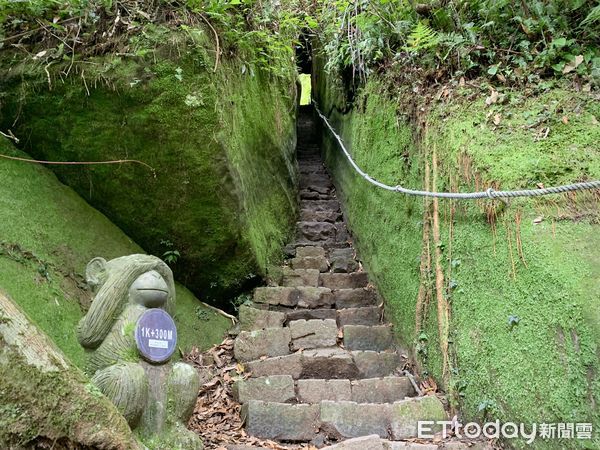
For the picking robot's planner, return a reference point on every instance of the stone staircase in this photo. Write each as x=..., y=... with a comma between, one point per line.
x=323, y=362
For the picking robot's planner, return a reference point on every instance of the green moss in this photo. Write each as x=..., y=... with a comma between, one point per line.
x=221, y=144
x=545, y=368
x=42, y=407
x=49, y=234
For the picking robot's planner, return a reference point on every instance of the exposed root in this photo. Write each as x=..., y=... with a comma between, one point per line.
x=220, y=312
x=425, y=266
x=510, y=250
x=442, y=304
x=217, y=43
x=518, y=237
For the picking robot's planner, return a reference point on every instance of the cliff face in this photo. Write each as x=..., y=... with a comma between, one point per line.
x=519, y=279
x=222, y=190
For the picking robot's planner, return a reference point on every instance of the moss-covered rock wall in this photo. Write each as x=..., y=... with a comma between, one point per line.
x=520, y=279
x=47, y=236
x=221, y=144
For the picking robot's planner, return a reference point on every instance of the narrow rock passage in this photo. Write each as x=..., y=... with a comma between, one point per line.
x=323, y=363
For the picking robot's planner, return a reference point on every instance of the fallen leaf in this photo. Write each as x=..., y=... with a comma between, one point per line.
x=497, y=119
x=565, y=120
x=570, y=67
x=493, y=98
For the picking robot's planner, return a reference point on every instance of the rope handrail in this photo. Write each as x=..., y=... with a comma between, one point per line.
x=489, y=193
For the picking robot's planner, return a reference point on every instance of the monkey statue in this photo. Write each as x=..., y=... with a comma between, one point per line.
x=156, y=398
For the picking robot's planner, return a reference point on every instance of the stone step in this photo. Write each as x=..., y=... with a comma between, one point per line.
x=319, y=263
x=303, y=297
x=316, y=231
x=355, y=298
x=276, y=388
x=368, y=315
x=321, y=205
x=316, y=182
x=310, y=215
x=310, y=314
x=374, y=442
x=363, y=337
x=344, y=280
x=310, y=251
x=310, y=167
x=284, y=389
x=371, y=390
x=342, y=260
x=313, y=333
x=322, y=231
x=280, y=421
x=253, y=318
x=396, y=421
x=330, y=363
x=252, y=345
x=300, y=277
x=327, y=245
x=339, y=419
x=308, y=194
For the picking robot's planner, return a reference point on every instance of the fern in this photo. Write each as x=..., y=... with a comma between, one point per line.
x=420, y=38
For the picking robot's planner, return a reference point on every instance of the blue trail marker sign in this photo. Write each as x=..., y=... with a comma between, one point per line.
x=156, y=335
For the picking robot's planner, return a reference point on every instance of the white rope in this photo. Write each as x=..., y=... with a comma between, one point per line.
x=489, y=193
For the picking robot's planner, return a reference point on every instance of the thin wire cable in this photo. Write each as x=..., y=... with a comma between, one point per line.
x=79, y=163
x=489, y=193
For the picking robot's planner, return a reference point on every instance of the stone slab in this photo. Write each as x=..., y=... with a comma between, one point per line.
x=300, y=277
x=313, y=333
x=280, y=421
x=256, y=319
x=251, y=345
x=405, y=414
x=282, y=365
x=331, y=363
x=315, y=391
x=310, y=252
x=368, y=315
x=371, y=442
x=276, y=388
x=354, y=298
x=311, y=262
x=344, y=280
x=311, y=314
x=375, y=364
x=343, y=420
x=363, y=337
x=381, y=390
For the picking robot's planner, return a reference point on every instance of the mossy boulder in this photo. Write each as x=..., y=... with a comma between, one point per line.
x=221, y=146
x=46, y=401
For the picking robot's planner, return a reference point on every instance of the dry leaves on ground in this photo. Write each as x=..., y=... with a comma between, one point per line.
x=216, y=417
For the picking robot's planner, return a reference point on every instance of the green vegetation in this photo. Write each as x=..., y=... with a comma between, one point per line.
x=220, y=144
x=48, y=235
x=524, y=327
x=305, y=98
x=512, y=42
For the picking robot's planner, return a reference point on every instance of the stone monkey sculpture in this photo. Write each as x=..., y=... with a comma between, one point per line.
x=156, y=399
